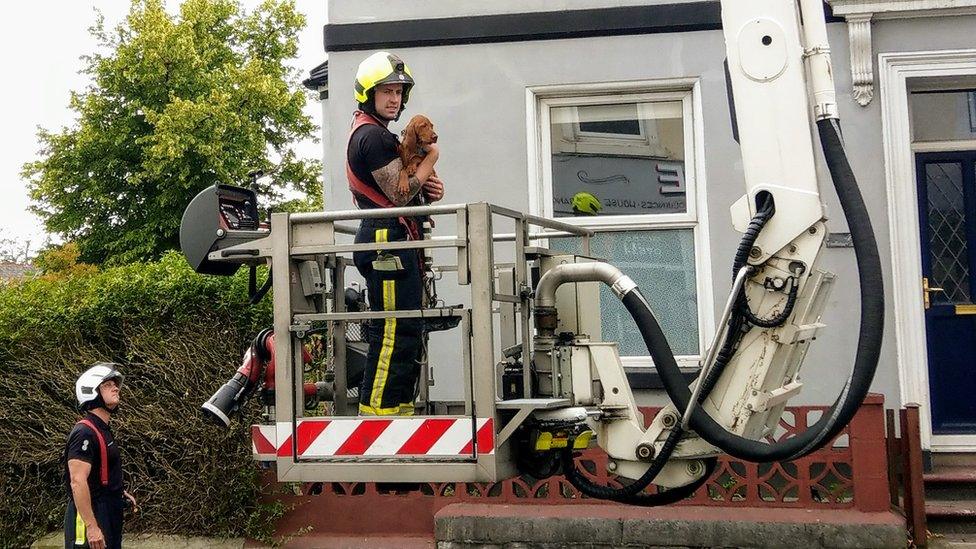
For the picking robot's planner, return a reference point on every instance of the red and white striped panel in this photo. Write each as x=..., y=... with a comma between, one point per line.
x=321, y=437
x=262, y=442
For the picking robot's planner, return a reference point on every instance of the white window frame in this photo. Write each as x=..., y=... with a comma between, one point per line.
x=598, y=142
x=539, y=101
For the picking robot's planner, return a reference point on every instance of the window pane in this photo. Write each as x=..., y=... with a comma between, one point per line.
x=620, y=159
x=943, y=116
x=611, y=127
x=947, y=232
x=609, y=119
x=662, y=263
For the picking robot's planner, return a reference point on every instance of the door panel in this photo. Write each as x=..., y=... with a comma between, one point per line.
x=947, y=215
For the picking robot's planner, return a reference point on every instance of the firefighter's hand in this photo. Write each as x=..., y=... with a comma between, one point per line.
x=433, y=188
x=132, y=500
x=96, y=540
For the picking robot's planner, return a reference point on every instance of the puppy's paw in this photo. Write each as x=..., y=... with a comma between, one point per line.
x=403, y=187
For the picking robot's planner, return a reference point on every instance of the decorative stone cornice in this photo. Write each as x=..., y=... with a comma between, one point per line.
x=901, y=9
x=860, y=13
x=862, y=67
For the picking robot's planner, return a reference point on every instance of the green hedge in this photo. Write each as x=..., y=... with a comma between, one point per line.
x=179, y=336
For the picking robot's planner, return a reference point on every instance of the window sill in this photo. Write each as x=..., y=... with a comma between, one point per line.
x=642, y=379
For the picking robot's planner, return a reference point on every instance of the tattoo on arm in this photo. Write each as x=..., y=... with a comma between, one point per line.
x=387, y=178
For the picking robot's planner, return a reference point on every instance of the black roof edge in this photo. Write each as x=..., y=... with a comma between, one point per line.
x=318, y=77
x=528, y=26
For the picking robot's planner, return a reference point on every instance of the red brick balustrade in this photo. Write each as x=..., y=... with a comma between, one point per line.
x=851, y=472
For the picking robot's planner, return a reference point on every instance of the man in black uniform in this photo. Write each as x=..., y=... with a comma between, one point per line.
x=92, y=467
x=393, y=278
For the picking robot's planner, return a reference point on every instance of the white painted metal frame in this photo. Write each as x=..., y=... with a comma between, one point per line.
x=306, y=235
x=896, y=69
x=640, y=143
x=539, y=100
x=944, y=146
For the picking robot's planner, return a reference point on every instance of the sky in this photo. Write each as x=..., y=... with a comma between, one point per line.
x=42, y=43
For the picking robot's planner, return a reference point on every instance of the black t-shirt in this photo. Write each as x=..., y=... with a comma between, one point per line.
x=83, y=444
x=370, y=148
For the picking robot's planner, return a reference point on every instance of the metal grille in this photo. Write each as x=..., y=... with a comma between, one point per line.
x=356, y=331
x=947, y=231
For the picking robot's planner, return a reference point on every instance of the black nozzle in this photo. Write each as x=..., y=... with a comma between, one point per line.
x=226, y=401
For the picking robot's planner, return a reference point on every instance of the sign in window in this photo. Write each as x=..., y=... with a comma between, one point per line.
x=618, y=159
x=624, y=165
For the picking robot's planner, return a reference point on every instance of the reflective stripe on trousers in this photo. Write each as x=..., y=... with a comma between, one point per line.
x=392, y=367
x=108, y=514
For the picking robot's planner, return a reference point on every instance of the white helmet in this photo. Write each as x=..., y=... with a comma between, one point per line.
x=86, y=388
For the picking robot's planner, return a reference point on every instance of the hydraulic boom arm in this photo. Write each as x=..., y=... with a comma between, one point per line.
x=779, y=69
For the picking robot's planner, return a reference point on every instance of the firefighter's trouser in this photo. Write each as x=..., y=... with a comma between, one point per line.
x=393, y=283
x=108, y=514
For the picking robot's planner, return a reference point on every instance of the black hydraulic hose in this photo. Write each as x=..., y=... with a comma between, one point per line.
x=765, y=212
x=843, y=409
x=631, y=493
x=593, y=490
x=736, y=321
x=869, y=336
x=673, y=495
x=627, y=494
x=256, y=297
x=780, y=318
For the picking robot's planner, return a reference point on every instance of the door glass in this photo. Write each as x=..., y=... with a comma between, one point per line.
x=947, y=232
x=943, y=115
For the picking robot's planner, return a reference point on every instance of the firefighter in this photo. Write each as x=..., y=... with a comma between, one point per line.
x=393, y=278
x=92, y=466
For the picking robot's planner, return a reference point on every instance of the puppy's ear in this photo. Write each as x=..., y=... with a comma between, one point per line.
x=408, y=141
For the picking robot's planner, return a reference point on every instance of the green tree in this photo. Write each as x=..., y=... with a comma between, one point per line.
x=176, y=103
x=15, y=250
x=62, y=261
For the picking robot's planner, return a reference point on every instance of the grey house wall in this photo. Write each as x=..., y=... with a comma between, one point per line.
x=476, y=94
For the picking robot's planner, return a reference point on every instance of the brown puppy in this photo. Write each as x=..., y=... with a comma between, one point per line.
x=414, y=140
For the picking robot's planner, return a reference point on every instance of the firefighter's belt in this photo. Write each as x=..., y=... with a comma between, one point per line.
x=387, y=263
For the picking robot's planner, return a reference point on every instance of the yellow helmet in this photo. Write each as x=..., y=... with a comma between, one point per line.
x=382, y=68
x=585, y=203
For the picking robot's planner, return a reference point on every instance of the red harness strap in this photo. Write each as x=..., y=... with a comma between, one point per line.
x=360, y=189
x=103, y=448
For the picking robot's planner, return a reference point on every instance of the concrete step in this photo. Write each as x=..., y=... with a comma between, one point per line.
x=477, y=525
x=55, y=540
x=319, y=541
x=952, y=483
x=952, y=541
x=967, y=459
x=951, y=516
x=951, y=474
